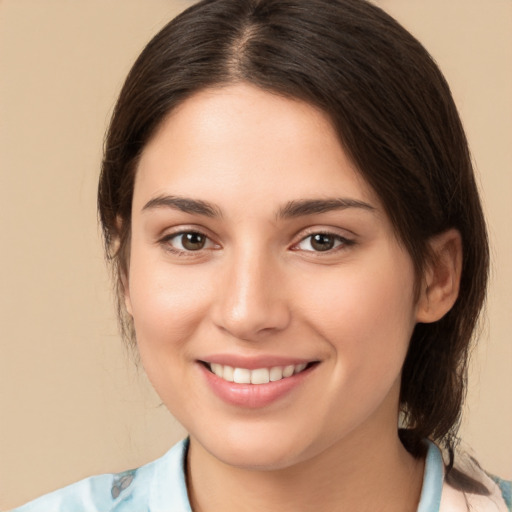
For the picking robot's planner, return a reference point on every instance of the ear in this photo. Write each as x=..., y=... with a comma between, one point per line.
x=441, y=280
x=126, y=294
x=124, y=270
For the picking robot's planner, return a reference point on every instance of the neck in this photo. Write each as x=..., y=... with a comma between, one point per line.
x=359, y=473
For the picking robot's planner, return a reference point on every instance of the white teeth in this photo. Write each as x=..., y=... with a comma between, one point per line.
x=258, y=376
x=299, y=368
x=242, y=376
x=288, y=370
x=276, y=373
x=228, y=373
x=217, y=369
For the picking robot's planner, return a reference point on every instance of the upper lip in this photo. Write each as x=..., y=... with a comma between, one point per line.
x=255, y=362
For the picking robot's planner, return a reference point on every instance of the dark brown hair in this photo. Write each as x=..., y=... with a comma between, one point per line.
x=395, y=116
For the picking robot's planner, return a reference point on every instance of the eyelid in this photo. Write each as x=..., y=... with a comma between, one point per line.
x=346, y=239
x=180, y=229
x=167, y=236
x=325, y=229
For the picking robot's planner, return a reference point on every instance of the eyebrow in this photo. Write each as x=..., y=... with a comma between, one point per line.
x=184, y=204
x=292, y=209
x=302, y=207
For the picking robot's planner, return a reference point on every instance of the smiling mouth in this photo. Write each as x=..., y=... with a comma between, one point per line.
x=256, y=376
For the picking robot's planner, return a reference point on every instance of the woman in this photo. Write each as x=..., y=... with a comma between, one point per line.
x=288, y=203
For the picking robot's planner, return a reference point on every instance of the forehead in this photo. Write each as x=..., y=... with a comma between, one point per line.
x=241, y=140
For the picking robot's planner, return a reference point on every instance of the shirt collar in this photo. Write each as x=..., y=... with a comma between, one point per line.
x=169, y=488
x=433, y=478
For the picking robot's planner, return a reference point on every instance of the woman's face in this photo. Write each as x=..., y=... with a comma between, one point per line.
x=258, y=252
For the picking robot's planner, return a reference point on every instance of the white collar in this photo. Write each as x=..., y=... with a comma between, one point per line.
x=436, y=496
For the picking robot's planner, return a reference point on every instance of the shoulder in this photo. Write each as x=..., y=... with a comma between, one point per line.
x=505, y=488
x=440, y=496
x=140, y=489
x=497, y=500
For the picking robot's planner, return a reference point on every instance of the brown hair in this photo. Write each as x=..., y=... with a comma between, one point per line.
x=395, y=117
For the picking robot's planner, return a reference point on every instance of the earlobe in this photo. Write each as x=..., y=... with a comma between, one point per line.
x=126, y=294
x=125, y=288
x=123, y=272
x=441, y=280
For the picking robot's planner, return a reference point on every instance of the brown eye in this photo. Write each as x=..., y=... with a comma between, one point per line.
x=321, y=242
x=192, y=241
x=187, y=242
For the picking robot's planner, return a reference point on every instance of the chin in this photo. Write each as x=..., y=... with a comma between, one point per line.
x=258, y=448
x=257, y=457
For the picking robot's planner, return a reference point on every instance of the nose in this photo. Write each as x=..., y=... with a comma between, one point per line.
x=251, y=302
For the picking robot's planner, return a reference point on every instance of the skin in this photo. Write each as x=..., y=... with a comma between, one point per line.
x=259, y=286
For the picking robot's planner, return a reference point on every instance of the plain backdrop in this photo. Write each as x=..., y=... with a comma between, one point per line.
x=72, y=401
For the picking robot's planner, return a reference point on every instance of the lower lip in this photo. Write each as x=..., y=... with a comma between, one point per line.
x=253, y=396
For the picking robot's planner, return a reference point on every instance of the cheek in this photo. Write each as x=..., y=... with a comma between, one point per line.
x=168, y=302
x=366, y=313
x=367, y=318
x=168, y=307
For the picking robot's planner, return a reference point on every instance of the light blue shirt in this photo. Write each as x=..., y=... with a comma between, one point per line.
x=160, y=486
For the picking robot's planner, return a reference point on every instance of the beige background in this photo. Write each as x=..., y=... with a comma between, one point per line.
x=72, y=402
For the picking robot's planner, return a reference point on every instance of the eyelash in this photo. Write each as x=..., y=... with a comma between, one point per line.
x=166, y=242
x=341, y=241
